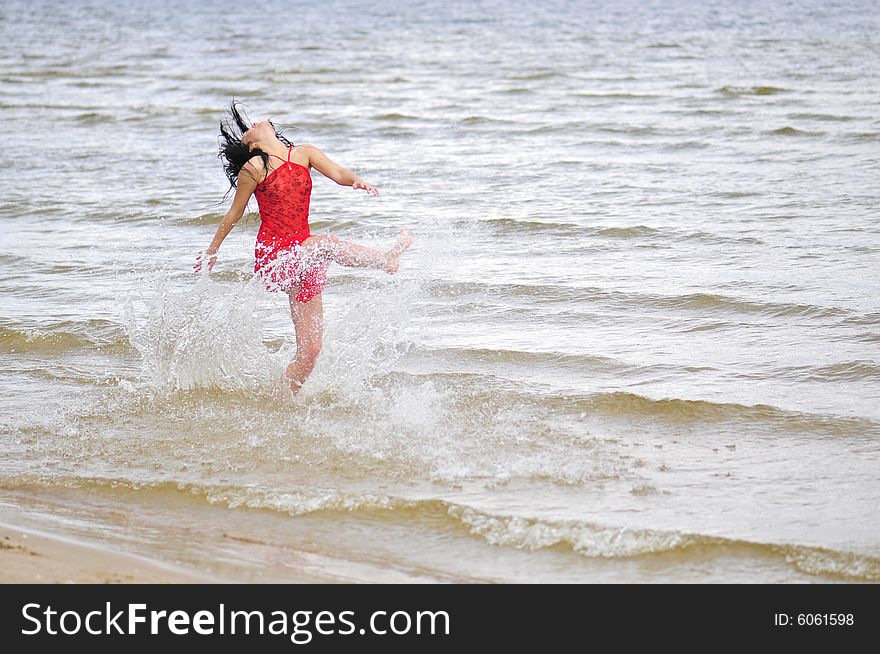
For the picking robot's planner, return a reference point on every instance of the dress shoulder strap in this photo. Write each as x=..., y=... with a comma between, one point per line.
x=289, y=149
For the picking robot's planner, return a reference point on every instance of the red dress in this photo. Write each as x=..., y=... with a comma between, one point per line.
x=283, y=198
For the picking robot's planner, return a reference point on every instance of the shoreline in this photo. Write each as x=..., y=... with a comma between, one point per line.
x=30, y=556
x=112, y=541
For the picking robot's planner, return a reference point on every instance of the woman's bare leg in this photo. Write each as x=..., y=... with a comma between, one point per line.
x=403, y=242
x=353, y=255
x=308, y=320
x=308, y=317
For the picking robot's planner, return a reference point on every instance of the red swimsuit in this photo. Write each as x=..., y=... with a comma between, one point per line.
x=283, y=198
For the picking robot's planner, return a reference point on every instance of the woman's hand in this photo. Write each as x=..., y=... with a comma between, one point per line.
x=208, y=256
x=369, y=188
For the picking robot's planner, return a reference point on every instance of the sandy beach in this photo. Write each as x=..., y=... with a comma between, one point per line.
x=27, y=556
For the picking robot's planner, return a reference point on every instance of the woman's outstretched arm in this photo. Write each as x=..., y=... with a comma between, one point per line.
x=247, y=182
x=339, y=174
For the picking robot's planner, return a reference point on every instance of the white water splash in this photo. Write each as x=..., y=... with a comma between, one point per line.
x=362, y=337
x=205, y=334
x=202, y=334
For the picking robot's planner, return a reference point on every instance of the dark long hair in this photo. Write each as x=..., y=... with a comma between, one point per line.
x=233, y=153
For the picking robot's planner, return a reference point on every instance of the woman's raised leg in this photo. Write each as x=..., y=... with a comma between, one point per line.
x=308, y=321
x=350, y=254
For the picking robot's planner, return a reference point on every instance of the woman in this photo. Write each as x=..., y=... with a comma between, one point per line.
x=261, y=161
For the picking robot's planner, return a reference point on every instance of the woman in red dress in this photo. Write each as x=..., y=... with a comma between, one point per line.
x=261, y=161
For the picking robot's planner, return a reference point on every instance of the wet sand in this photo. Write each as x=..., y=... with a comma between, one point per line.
x=27, y=556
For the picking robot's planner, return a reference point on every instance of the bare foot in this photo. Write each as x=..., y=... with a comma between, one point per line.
x=282, y=392
x=295, y=384
x=403, y=242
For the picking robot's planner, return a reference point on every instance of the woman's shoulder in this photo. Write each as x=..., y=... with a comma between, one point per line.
x=307, y=151
x=255, y=164
x=254, y=168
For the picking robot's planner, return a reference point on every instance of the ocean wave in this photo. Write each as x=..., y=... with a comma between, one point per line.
x=538, y=75
x=394, y=116
x=673, y=410
x=601, y=541
x=532, y=533
x=735, y=195
x=843, y=371
x=711, y=304
x=94, y=334
x=635, y=231
x=547, y=129
x=872, y=319
x=644, y=130
x=734, y=91
x=686, y=145
x=480, y=384
x=487, y=387
x=681, y=410
x=508, y=224
x=494, y=357
x=612, y=95
x=396, y=131
x=792, y=131
x=822, y=117
x=861, y=136
x=320, y=70
x=68, y=72
x=94, y=118
x=724, y=304
x=484, y=120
